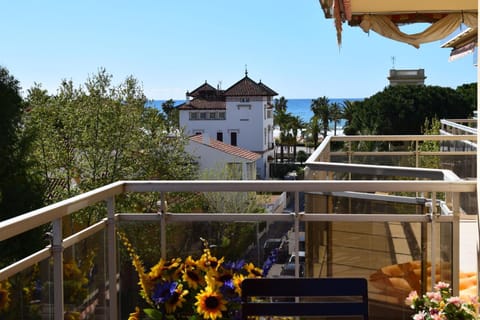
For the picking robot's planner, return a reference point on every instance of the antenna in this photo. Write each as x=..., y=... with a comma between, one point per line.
x=246, y=71
x=393, y=62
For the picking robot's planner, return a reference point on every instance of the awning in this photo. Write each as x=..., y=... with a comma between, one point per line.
x=384, y=17
x=462, y=44
x=462, y=51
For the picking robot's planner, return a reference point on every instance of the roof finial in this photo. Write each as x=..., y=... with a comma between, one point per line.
x=246, y=71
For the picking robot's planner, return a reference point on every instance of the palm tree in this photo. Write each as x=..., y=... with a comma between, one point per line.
x=347, y=113
x=320, y=109
x=314, y=129
x=335, y=115
x=296, y=123
x=280, y=117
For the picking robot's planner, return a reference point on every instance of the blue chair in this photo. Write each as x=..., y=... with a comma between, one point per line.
x=327, y=297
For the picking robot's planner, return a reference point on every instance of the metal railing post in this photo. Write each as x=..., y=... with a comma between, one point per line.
x=297, y=232
x=433, y=242
x=163, y=226
x=456, y=244
x=112, y=259
x=57, y=252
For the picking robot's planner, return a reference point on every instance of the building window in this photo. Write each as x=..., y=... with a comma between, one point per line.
x=233, y=138
x=203, y=115
x=213, y=115
x=269, y=114
x=244, y=107
x=221, y=115
x=220, y=136
x=193, y=116
x=244, y=99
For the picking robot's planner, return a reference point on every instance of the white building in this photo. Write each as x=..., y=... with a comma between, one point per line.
x=241, y=115
x=215, y=155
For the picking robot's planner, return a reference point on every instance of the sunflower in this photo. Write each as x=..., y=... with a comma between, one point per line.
x=164, y=268
x=135, y=315
x=253, y=272
x=210, y=303
x=237, y=281
x=193, y=277
x=208, y=262
x=4, y=295
x=176, y=300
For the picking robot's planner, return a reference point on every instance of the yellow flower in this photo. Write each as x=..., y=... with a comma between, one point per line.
x=163, y=269
x=208, y=262
x=177, y=299
x=210, y=304
x=135, y=315
x=193, y=277
x=4, y=295
x=253, y=272
x=237, y=281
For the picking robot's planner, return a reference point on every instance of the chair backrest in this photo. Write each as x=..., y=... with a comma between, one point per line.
x=305, y=297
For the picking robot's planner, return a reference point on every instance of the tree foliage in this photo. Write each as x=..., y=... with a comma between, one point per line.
x=100, y=133
x=20, y=190
x=403, y=109
x=321, y=111
x=469, y=93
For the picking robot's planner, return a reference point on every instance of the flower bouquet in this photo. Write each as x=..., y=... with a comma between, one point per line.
x=203, y=288
x=440, y=305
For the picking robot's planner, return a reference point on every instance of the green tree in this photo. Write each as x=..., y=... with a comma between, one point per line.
x=402, y=109
x=314, y=130
x=302, y=156
x=320, y=109
x=280, y=120
x=348, y=112
x=335, y=115
x=296, y=124
x=171, y=115
x=20, y=189
x=430, y=127
x=104, y=133
x=20, y=192
x=231, y=239
x=469, y=92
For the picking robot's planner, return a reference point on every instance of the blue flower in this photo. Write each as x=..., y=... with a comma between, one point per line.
x=163, y=291
x=271, y=259
x=235, y=266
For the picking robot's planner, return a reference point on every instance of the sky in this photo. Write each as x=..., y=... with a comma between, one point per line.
x=175, y=46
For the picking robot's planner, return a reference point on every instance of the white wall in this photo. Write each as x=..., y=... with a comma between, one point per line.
x=211, y=158
x=250, y=123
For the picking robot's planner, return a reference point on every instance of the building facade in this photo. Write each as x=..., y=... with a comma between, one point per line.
x=212, y=154
x=241, y=115
x=407, y=77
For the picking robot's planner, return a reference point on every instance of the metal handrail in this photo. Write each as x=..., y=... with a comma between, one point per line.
x=448, y=183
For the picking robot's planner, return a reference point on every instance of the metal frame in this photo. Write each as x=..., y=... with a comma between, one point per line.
x=448, y=183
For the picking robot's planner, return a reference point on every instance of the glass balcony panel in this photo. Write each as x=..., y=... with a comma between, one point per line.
x=85, y=278
x=235, y=240
x=30, y=293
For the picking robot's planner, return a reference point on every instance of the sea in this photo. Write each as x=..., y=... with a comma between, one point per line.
x=297, y=107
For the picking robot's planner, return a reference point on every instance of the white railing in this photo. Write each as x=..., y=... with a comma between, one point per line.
x=444, y=182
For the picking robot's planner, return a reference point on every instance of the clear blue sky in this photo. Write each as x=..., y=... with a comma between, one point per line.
x=172, y=46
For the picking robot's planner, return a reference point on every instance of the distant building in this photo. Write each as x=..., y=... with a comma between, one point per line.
x=411, y=77
x=241, y=115
x=214, y=154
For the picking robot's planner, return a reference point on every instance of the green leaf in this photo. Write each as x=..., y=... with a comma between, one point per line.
x=153, y=314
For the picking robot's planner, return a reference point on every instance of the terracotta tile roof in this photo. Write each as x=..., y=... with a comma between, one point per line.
x=203, y=104
x=248, y=87
x=204, y=88
x=227, y=148
x=267, y=89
